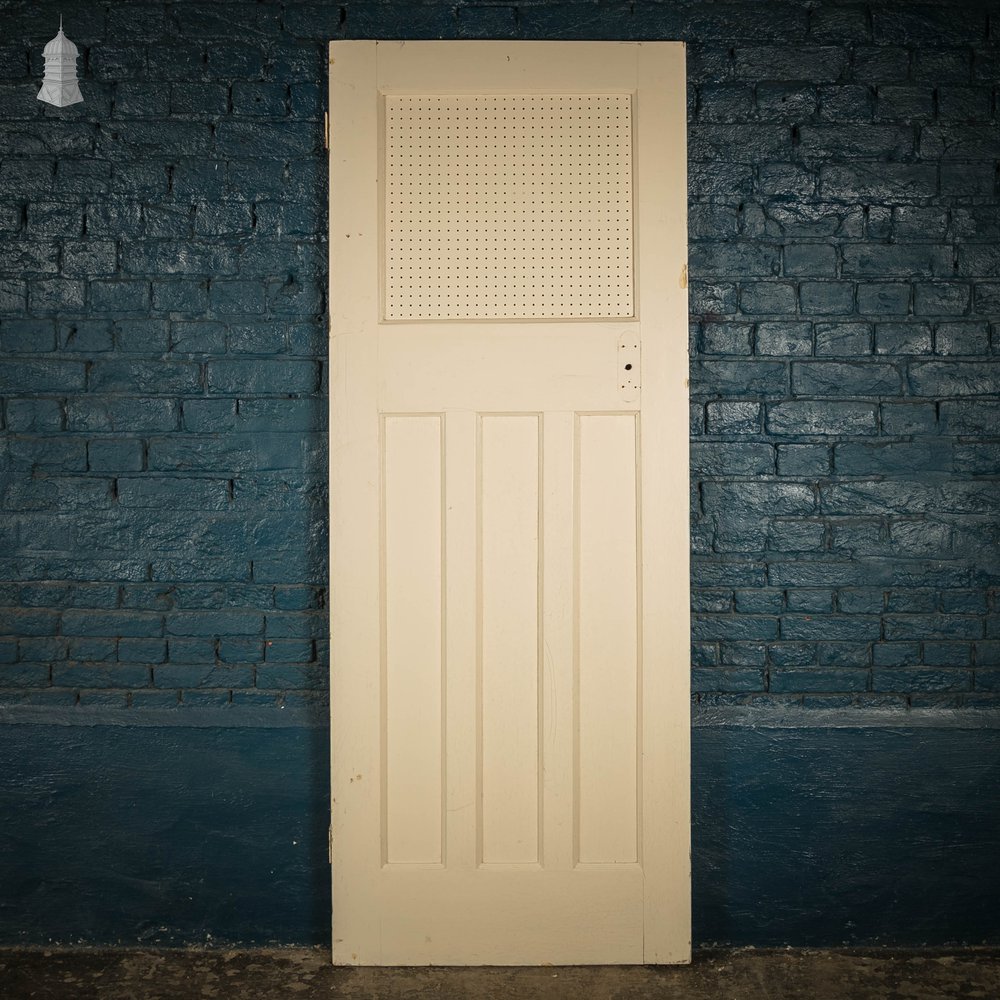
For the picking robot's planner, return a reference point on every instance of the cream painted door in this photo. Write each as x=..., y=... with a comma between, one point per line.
x=509, y=503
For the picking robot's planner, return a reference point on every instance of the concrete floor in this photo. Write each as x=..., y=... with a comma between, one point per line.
x=306, y=974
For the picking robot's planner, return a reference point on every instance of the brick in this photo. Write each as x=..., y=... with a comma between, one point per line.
x=284, y=218
x=879, y=182
x=726, y=102
x=826, y=298
x=986, y=297
x=816, y=64
x=922, y=679
x=85, y=336
x=803, y=460
x=120, y=413
x=810, y=260
x=245, y=377
x=168, y=221
x=723, y=458
x=719, y=180
x=13, y=297
x=236, y=298
x=930, y=25
x=972, y=601
x=182, y=296
x=276, y=139
x=767, y=297
x=911, y=601
x=202, y=675
x=734, y=417
x=288, y=651
x=977, y=459
x=259, y=100
x=111, y=623
x=844, y=654
x=922, y=261
x=757, y=602
x=863, y=141
x=34, y=415
x=846, y=103
x=55, y=295
x=818, y=679
x=114, y=296
x=199, y=179
x=115, y=456
x=565, y=20
x=894, y=458
x=239, y=650
x=954, y=378
x=23, y=675
x=725, y=338
x=792, y=654
x=783, y=339
x=839, y=24
x=959, y=142
x=942, y=299
x=54, y=219
x=141, y=99
x=745, y=679
x=976, y=222
x=142, y=336
x=907, y=497
x=878, y=64
x=142, y=650
x=843, y=339
x=909, y=418
x=28, y=336
x=759, y=497
x=807, y=599
x=711, y=141
x=734, y=627
x=884, y=298
x=904, y=104
x=978, y=261
x=294, y=297
x=902, y=338
x=89, y=257
x=821, y=418
x=197, y=337
x=784, y=102
x=787, y=180
x=42, y=376
x=294, y=676
x=733, y=260
x=198, y=99
x=172, y=257
x=834, y=378
x=214, y=623
x=209, y=415
x=967, y=179
x=130, y=376
x=947, y=654
x=757, y=378
x=29, y=257
x=718, y=601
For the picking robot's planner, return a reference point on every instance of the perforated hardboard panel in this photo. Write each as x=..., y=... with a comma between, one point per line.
x=508, y=206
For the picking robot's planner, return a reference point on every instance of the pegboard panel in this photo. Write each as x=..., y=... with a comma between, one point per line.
x=508, y=206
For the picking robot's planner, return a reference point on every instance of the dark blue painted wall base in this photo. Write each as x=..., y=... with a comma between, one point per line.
x=167, y=836
x=802, y=836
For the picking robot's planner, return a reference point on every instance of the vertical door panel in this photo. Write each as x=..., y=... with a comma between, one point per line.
x=607, y=653
x=412, y=644
x=509, y=640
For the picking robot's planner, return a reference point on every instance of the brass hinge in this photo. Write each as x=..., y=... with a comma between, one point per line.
x=326, y=130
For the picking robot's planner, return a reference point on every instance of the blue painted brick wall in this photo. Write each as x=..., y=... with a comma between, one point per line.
x=162, y=276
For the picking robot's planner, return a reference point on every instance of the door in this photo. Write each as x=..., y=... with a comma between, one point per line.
x=509, y=503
